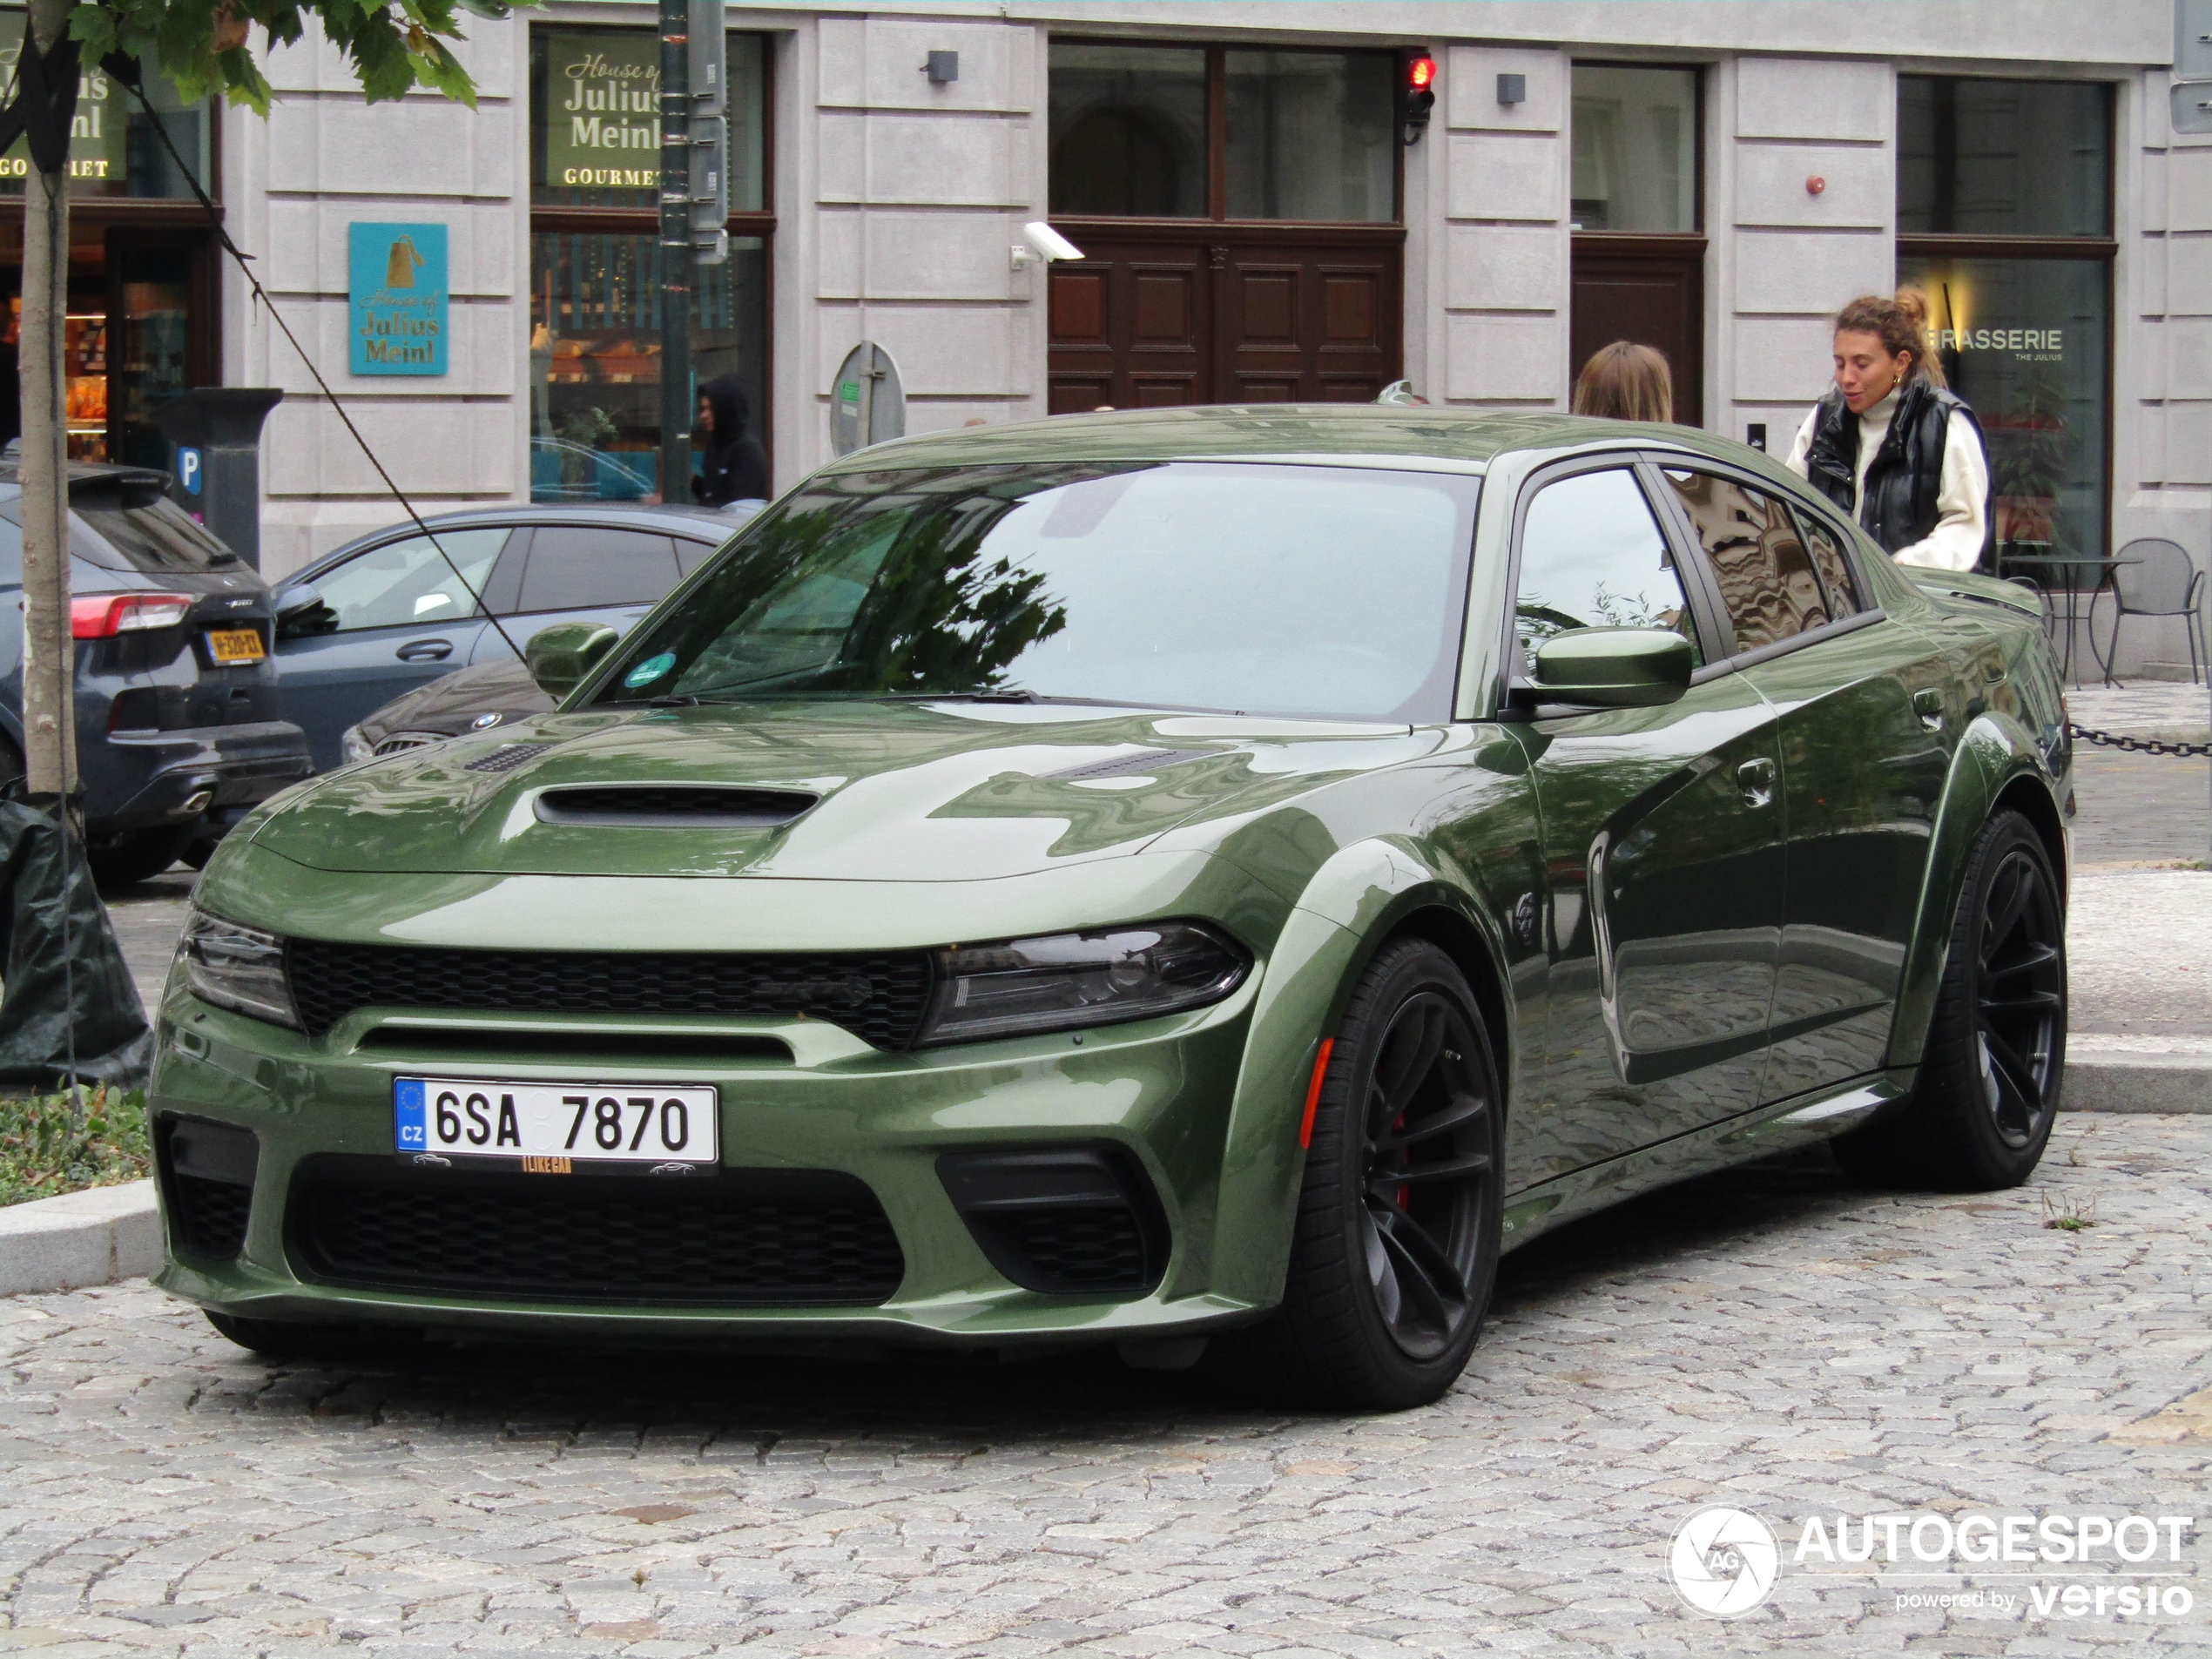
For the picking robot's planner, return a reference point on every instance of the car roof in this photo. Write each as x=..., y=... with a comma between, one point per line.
x=1390, y=434
x=699, y=523
x=83, y=474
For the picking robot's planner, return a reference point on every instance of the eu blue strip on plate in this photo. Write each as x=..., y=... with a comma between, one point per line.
x=410, y=1131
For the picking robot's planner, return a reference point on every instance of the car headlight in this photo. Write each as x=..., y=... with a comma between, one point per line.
x=1065, y=981
x=354, y=746
x=236, y=967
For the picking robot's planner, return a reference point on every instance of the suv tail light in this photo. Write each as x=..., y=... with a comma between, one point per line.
x=102, y=615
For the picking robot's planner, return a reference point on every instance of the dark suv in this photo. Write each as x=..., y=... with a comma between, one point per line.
x=177, y=732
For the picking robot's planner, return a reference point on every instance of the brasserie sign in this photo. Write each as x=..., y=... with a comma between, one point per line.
x=96, y=131
x=603, y=109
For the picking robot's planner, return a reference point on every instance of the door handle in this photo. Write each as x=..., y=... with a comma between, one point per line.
x=1928, y=705
x=1754, y=781
x=425, y=650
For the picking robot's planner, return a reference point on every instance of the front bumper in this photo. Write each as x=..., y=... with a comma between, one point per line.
x=1155, y=1095
x=143, y=780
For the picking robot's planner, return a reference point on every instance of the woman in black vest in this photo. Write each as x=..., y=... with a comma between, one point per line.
x=1891, y=445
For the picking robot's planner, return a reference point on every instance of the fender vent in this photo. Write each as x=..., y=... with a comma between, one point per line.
x=673, y=806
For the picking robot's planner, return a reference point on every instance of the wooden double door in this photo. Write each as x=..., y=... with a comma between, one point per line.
x=1155, y=316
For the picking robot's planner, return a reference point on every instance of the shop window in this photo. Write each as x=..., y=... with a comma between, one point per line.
x=2004, y=213
x=113, y=149
x=1634, y=154
x=1216, y=132
x=595, y=118
x=595, y=262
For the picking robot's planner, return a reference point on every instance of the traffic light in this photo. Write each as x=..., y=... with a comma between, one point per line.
x=710, y=181
x=1417, y=88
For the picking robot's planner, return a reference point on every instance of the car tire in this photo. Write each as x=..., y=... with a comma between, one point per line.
x=1395, y=1245
x=296, y=1339
x=1982, y=1107
x=138, y=856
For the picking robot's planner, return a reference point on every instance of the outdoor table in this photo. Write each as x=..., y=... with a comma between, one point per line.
x=2107, y=570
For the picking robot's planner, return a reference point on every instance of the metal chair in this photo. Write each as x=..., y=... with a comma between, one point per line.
x=2165, y=581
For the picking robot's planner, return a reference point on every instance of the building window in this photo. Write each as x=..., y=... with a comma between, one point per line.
x=1635, y=148
x=1218, y=132
x=141, y=314
x=595, y=261
x=2005, y=221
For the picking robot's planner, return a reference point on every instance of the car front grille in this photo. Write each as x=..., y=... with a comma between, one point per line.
x=880, y=997
x=738, y=1237
x=1077, y=1250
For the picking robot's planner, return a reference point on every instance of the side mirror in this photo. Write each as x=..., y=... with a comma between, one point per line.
x=301, y=613
x=1615, y=668
x=560, y=657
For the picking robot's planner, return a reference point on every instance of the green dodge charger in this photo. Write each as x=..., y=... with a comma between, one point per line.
x=1200, y=882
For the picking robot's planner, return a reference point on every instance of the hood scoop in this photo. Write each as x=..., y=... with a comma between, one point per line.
x=673, y=806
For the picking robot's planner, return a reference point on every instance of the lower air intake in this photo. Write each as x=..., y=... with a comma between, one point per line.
x=741, y=1237
x=1065, y=1220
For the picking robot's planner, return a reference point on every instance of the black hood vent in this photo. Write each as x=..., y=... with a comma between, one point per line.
x=673, y=806
x=1145, y=761
x=507, y=757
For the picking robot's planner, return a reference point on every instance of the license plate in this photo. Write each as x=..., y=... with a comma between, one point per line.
x=554, y=1128
x=228, y=645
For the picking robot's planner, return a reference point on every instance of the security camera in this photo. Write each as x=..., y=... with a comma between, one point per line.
x=1043, y=244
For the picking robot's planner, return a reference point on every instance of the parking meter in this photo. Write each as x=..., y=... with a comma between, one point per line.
x=214, y=434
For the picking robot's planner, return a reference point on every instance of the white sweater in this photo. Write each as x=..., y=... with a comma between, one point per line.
x=1955, y=542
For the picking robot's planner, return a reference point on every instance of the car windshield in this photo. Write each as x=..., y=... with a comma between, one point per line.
x=1310, y=591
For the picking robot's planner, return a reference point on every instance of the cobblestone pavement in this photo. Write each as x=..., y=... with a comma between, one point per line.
x=1771, y=1340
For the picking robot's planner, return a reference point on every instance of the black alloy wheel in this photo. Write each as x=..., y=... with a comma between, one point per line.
x=1396, y=1240
x=1427, y=1159
x=2020, y=986
x=1990, y=1077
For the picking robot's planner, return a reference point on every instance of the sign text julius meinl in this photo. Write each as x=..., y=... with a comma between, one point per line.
x=396, y=322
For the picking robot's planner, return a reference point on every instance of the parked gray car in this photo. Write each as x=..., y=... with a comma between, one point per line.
x=178, y=727
x=388, y=613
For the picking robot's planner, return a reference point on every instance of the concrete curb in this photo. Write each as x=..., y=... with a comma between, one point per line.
x=92, y=1237
x=2109, y=1082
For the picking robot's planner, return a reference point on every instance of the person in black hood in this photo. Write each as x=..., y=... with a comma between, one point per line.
x=736, y=465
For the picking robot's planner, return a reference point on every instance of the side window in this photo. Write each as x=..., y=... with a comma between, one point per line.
x=1827, y=549
x=576, y=567
x=1766, y=577
x=691, y=555
x=1592, y=557
x=408, y=583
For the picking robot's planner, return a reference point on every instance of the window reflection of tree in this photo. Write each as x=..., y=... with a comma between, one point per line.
x=1117, y=159
x=866, y=594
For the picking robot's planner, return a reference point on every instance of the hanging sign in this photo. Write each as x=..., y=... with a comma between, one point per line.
x=603, y=109
x=396, y=320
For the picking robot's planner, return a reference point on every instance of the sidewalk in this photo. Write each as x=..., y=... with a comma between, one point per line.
x=2162, y=709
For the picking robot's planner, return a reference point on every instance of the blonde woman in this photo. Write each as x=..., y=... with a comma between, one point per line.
x=1625, y=382
x=1894, y=446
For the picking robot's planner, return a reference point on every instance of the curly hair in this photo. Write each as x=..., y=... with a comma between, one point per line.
x=1901, y=323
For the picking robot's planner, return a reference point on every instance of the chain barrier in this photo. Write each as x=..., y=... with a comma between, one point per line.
x=2140, y=746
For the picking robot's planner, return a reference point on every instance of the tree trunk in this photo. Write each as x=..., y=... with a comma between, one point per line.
x=50, y=728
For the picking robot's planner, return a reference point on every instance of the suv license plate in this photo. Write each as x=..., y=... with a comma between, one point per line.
x=555, y=1128
x=228, y=645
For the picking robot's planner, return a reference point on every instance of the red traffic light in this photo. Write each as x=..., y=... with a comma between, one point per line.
x=1420, y=73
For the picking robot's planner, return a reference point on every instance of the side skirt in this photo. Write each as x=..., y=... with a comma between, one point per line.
x=1775, y=1127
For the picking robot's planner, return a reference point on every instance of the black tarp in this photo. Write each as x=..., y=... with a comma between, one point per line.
x=60, y=965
